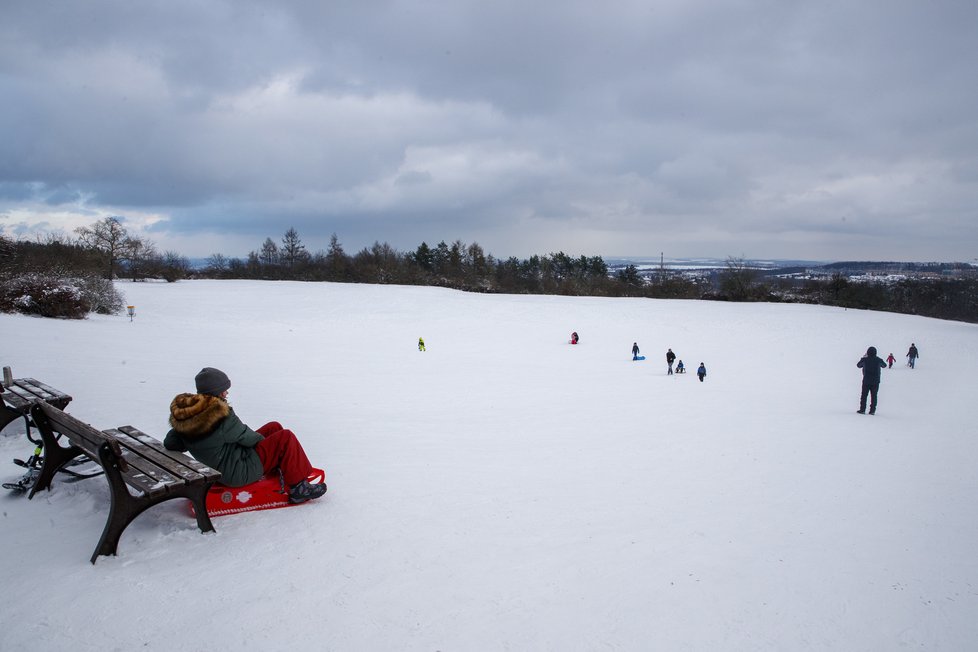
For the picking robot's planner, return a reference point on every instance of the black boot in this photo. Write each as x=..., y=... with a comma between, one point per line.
x=304, y=491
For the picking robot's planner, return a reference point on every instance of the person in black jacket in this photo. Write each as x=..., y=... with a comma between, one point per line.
x=912, y=355
x=872, y=365
x=670, y=358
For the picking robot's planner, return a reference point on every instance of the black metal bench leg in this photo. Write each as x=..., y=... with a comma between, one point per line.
x=198, y=496
x=55, y=455
x=123, y=506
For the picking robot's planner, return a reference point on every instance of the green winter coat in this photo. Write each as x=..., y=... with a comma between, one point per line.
x=207, y=427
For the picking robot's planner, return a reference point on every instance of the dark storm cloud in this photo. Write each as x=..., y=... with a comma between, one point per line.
x=707, y=128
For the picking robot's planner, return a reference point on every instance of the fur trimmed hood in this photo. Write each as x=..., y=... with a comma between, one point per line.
x=194, y=416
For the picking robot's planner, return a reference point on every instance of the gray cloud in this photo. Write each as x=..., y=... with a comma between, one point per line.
x=758, y=128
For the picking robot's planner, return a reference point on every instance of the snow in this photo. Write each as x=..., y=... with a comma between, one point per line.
x=506, y=490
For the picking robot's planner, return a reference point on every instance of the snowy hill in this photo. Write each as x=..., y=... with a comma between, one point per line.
x=506, y=490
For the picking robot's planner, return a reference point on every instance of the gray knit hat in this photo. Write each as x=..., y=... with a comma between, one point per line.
x=212, y=381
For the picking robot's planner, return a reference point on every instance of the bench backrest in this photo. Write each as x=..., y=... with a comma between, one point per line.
x=79, y=433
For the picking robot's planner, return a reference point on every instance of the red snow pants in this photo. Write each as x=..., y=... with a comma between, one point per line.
x=281, y=449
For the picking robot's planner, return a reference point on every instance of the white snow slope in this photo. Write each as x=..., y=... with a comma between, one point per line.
x=505, y=490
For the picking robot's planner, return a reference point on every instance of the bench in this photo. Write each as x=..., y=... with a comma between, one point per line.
x=140, y=472
x=18, y=395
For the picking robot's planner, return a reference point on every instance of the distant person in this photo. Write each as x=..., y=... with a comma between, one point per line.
x=889, y=361
x=421, y=344
x=206, y=426
x=680, y=367
x=871, y=364
x=574, y=337
x=670, y=358
x=701, y=372
x=635, y=351
x=912, y=355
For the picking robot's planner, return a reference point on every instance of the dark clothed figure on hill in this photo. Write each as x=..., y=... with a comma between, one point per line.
x=206, y=426
x=670, y=358
x=635, y=351
x=912, y=355
x=889, y=361
x=701, y=372
x=872, y=366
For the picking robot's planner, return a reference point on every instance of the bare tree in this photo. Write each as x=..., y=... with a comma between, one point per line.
x=738, y=280
x=173, y=266
x=269, y=254
x=138, y=254
x=107, y=236
x=217, y=264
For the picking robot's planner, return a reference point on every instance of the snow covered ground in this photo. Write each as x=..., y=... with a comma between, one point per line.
x=505, y=490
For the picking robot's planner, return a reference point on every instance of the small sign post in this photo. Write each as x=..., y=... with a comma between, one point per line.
x=132, y=311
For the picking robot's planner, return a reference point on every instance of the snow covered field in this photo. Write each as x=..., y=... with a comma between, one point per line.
x=505, y=490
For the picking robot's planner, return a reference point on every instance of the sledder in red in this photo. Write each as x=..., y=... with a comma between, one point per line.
x=206, y=426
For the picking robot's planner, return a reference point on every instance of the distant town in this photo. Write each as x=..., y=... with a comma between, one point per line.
x=798, y=270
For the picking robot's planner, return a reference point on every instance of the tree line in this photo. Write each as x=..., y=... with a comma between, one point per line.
x=79, y=270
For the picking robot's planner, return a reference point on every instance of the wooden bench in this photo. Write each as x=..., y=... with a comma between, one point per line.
x=131, y=460
x=19, y=394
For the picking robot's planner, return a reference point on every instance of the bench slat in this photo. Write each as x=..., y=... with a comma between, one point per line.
x=56, y=395
x=81, y=434
x=24, y=391
x=160, y=467
x=198, y=469
x=144, y=474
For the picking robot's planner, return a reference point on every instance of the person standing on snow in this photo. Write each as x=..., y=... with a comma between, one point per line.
x=670, y=358
x=206, y=426
x=889, y=361
x=421, y=344
x=872, y=365
x=635, y=351
x=701, y=372
x=912, y=355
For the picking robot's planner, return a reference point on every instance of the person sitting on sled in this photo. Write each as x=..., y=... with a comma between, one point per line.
x=574, y=337
x=680, y=368
x=206, y=426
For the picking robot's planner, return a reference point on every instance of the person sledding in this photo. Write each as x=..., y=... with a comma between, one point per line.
x=680, y=367
x=206, y=426
x=574, y=337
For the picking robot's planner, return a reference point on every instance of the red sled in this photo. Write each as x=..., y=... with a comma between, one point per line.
x=267, y=493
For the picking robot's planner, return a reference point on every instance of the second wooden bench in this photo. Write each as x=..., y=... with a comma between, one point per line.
x=131, y=460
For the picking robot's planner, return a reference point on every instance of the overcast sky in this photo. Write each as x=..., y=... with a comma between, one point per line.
x=819, y=130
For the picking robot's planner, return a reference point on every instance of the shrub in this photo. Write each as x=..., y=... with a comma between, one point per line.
x=101, y=295
x=45, y=296
x=55, y=295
